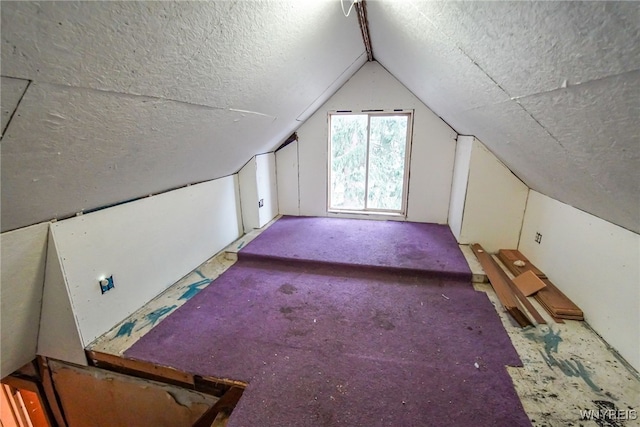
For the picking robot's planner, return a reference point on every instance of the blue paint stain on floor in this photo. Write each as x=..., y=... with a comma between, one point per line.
x=571, y=368
x=194, y=288
x=126, y=329
x=199, y=273
x=155, y=315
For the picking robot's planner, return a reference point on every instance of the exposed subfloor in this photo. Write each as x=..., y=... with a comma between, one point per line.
x=568, y=368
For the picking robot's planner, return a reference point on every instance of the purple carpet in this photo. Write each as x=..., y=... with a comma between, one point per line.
x=410, y=247
x=324, y=345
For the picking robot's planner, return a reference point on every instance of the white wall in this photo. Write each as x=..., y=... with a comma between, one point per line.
x=594, y=262
x=249, y=195
x=59, y=335
x=494, y=200
x=267, y=187
x=433, y=147
x=287, y=179
x=258, y=183
x=23, y=254
x=146, y=245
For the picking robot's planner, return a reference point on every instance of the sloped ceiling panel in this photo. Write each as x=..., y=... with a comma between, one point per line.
x=11, y=91
x=133, y=98
x=552, y=88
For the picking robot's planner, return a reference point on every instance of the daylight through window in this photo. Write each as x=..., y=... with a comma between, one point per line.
x=368, y=161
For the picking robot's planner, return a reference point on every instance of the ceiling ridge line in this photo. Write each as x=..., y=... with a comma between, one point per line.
x=361, y=9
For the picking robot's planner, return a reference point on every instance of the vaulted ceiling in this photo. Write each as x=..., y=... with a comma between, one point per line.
x=117, y=100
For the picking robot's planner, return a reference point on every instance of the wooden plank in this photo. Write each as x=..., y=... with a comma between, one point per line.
x=528, y=283
x=52, y=398
x=501, y=287
x=94, y=397
x=224, y=405
x=521, y=297
x=156, y=372
x=510, y=256
x=550, y=297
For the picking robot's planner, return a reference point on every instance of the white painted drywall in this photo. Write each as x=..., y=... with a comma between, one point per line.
x=267, y=187
x=249, y=195
x=494, y=204
x=432, y=156
x=23, y=254
x=459, y=183
x=146, y=245
x=287, y=179
x=60, y=333
x=594, y=262
x=258, y=182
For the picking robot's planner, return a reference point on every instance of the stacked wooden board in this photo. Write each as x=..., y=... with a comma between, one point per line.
x=557, y=304
x=509, y=295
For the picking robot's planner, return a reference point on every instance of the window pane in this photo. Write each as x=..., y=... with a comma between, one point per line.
x=348, y=161
x=387, y=145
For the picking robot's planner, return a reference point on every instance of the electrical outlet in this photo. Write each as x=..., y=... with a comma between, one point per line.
x=260, y=203
x=538, y=238
x=106, y=284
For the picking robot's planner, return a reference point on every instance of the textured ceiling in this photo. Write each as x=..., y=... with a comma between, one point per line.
x=117, y=100
x=552, y=88
x=132, y=98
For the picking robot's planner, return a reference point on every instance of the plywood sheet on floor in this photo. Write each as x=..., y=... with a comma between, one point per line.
x=94, y=397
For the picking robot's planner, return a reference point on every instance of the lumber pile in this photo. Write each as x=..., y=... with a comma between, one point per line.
x=509, y=295
x=557, y=304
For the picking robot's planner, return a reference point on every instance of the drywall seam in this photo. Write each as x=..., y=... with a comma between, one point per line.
x=466, y=186
x=572, y=85
x=298, y=172
x=473, y=61
x=526, y=204
x=157, y=98
x=17, y=106
x=46, y=259
x=517, y=101
x=306, y=113
x=66, y=284
x=407, y=165
x=424, y=103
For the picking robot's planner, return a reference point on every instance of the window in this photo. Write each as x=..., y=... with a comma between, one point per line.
x=368, y=161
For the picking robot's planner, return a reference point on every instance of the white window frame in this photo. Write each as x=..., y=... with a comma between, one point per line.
x=407, y=161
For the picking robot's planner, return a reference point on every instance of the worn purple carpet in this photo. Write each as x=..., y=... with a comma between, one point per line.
x=403, y=246
x=326, y=345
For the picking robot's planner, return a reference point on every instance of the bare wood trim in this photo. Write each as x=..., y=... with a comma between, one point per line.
x=21, y=383
x=205, y=384
x=501, y=287
x=52, y=399
x=361, y=9
x=109, y=361
x=226, y=404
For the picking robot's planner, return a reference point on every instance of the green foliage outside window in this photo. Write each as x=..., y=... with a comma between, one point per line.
x=384, y=180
